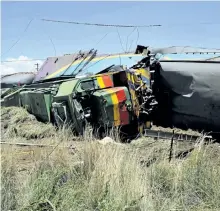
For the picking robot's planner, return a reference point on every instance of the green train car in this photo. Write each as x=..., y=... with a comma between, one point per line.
x=115, y=99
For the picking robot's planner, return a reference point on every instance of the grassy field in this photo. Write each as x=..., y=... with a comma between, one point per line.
x=102, y=175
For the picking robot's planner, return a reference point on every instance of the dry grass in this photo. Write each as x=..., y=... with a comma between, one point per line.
x=110, y=176
x=18, y=123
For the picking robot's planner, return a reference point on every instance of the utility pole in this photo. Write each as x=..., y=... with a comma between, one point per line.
x=37, y=66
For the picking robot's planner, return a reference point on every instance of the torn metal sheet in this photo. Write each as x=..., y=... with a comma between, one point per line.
x=193, y=89
x=66, y=65
x=183, y=50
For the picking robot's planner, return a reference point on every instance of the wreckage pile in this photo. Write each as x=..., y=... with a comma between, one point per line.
x=172, y=88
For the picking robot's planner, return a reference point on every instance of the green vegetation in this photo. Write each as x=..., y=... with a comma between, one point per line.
x=103, y=175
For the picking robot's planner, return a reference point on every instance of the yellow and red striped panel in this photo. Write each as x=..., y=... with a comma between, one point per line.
x=118, y=96
x=104, y=81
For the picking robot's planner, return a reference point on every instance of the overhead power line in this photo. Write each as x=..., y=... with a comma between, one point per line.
x=127, y=26
x=100, y=24
x=26, y=28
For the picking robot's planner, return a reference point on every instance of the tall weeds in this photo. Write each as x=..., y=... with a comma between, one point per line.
x=104, y=176
x=111, y=177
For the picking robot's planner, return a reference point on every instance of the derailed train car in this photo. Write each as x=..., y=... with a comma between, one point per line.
x=113, y=97
x=188, y=94
x=170, y=92
x=186, y=87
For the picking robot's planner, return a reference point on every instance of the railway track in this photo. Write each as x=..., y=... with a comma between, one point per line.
x=156, y=134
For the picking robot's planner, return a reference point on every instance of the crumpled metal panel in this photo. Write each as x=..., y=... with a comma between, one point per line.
x=184, y=56
x=195, y=95
x=182, y=49
x=52, y=64
x=65, y=65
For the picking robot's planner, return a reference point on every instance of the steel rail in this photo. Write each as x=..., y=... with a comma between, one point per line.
x=176, y=136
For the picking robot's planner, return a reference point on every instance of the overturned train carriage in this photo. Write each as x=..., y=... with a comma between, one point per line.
x=188, y=94
x=118, y=98
x=166, y=92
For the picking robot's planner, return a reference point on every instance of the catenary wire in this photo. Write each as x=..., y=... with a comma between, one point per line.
x=26, y=28
x=127, y=39
x=128, y=26
x=120, y=40
x=99, y=24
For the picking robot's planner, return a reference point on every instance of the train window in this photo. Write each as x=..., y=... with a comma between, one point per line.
x=120, y=79
x=87, y=85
